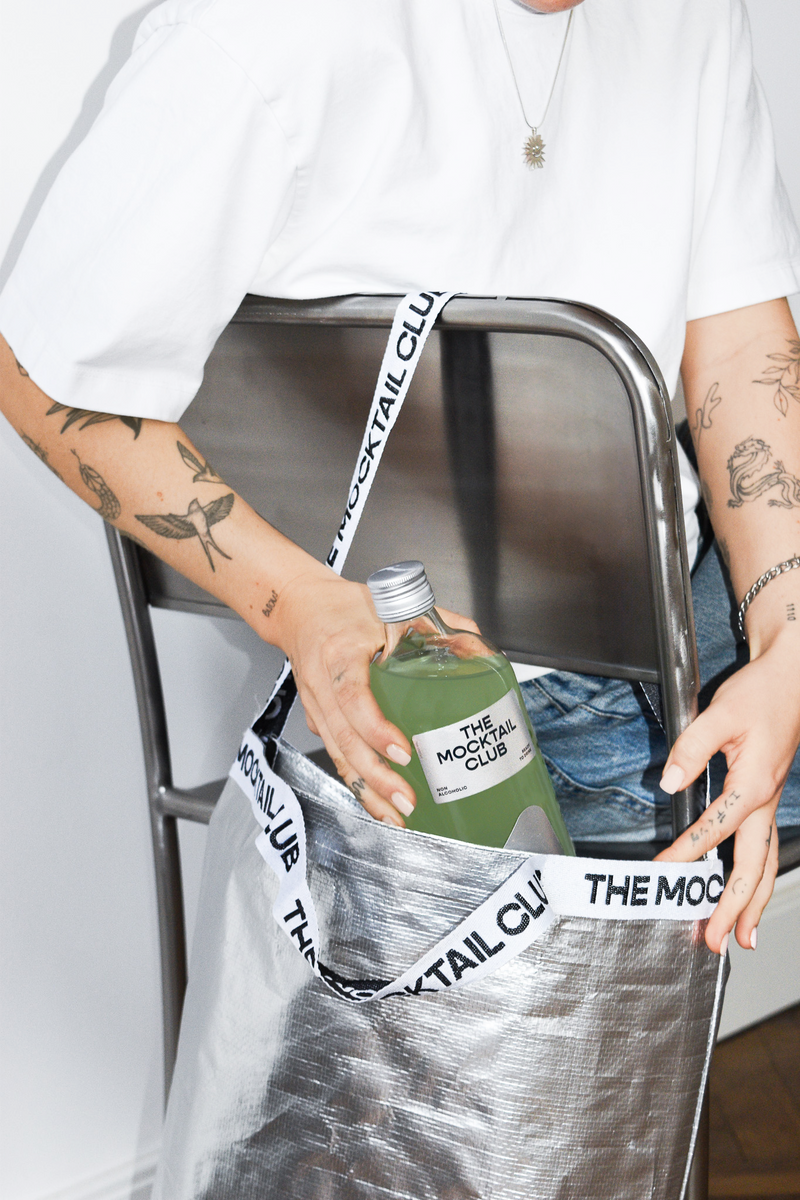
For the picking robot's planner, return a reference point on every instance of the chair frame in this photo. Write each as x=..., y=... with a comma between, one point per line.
x=677, y=669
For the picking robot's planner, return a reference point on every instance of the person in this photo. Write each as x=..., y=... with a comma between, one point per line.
x=318, y=150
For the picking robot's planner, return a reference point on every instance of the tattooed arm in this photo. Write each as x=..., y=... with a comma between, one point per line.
x=147, y=479
x=741, y=373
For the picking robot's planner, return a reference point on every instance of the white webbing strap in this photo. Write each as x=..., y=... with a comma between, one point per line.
x=504, y=925
x=414, y=319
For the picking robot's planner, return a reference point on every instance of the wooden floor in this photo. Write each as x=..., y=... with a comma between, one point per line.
x=755, y=1112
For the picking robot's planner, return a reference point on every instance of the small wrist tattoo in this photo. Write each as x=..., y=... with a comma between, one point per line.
x=270, y=605
x=790, y=613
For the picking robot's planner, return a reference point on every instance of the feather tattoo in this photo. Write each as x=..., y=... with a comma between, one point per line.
x=110, y=507
x=204, y=472
x=195, y=522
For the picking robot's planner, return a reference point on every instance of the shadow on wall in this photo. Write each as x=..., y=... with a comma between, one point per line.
x=119, y=52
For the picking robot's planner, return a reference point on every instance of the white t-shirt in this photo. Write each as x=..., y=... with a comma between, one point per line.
x=316, y=148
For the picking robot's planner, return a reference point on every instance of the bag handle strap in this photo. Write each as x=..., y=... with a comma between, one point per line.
x=414, y=318
x=509, y=920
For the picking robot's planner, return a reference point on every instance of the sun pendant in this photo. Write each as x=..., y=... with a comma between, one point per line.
x=533, y=150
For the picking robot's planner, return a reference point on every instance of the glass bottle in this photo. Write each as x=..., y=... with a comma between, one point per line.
x=476, y=766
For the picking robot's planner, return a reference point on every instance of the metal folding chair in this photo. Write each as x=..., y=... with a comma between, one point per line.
x=532, y=470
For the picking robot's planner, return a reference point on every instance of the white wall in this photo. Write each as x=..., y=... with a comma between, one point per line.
x=80, y=1034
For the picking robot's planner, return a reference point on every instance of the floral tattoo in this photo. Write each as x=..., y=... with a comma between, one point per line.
x=784, y=377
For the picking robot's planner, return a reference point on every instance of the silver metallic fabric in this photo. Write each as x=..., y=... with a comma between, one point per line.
x=572, y=1073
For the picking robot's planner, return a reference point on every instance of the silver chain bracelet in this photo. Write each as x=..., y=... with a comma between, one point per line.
x=762, y=582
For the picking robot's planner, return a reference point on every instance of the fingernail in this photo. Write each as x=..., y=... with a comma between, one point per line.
x=754, y=938
x=398, y=755
x=402, y=804
x=723, y=946
x=672, y=779
x=389, y=821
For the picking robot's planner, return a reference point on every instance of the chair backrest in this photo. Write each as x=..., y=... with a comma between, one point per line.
x=532, y=470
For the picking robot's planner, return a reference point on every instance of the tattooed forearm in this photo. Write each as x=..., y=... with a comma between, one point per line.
x=203, y=471
x=21, y=369
x=195, y=522
x=784, y=377
x=40, y=452
x=269, y=606
x=110, y=507
x=702, y=416
x=92, y=418
x=750, y=476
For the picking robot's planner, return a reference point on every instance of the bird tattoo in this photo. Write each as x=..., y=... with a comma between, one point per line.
x=195, y=522
x=203, y=471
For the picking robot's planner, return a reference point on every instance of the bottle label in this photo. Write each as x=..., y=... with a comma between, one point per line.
x=477, y=753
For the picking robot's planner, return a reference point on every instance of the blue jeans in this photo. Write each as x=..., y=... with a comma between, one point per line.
x=605, y=750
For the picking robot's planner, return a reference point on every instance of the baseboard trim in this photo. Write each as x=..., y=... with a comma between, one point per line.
x=131, y=1180
x=755, y=1184
x=766, y=982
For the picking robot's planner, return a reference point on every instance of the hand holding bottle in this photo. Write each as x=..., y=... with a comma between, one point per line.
x=328, y=629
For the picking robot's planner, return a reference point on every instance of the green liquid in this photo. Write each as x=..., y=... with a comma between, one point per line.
x=421, y=687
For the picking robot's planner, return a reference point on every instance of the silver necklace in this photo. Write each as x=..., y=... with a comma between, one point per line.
x=533, y=150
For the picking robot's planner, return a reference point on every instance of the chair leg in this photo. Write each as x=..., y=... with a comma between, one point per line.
x=172, y=936
x=158, y=772
x=697, y=1188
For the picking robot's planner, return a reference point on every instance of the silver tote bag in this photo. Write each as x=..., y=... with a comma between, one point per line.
x=374, y=1012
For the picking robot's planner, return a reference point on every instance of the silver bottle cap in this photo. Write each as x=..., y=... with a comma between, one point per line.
x=401, y=592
